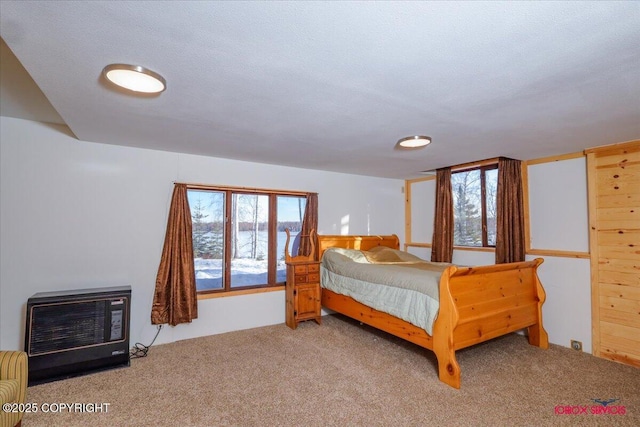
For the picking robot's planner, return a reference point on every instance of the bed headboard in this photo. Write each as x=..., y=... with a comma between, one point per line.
x=363, y=243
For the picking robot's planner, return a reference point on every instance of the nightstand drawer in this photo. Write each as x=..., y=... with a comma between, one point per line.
x=313, y=278
x=314, y=268
x=300, y=269
x=302, y=278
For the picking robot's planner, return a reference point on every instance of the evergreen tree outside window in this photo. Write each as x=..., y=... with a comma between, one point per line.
x=238, y=236
x=208, y=230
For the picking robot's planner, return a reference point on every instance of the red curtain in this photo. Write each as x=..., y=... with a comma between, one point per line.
x=175, y=300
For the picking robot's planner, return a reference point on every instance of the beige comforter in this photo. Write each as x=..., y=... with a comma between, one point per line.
x=392, y=281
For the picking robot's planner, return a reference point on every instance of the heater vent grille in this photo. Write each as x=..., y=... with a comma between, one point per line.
x=66, y=326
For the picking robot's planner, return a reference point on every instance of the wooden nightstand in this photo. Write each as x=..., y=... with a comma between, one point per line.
x=302, y=289
x=302, y=292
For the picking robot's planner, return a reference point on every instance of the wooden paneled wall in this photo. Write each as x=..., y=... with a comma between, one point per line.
x=614, y=222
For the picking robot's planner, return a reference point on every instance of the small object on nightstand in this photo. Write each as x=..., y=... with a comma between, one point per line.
x=302, y=288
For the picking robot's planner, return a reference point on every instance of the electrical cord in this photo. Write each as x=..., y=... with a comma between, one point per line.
x=141, y=350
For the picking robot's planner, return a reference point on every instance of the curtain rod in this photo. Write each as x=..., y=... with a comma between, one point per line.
x=473, y=165
x=198, y=186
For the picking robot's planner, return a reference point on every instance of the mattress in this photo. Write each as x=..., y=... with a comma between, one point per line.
x=391, y=281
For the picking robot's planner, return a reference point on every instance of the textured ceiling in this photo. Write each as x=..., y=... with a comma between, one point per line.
x=334, y=85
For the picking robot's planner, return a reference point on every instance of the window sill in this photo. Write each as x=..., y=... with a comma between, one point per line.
x=204, y=296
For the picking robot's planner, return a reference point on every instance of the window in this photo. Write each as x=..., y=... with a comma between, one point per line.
x=239, y=236
x=474, y=206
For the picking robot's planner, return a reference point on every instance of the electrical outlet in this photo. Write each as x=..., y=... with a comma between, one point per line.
x=576, y=345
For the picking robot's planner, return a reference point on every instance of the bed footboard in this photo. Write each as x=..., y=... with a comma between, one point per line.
x=485, y=302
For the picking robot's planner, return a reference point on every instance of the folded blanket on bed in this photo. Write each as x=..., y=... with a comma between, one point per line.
x=384, y=255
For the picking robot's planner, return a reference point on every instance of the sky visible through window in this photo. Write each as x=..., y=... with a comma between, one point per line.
x=248, y=240
x=287, y=206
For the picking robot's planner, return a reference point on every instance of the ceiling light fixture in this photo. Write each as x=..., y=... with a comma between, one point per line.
x=415, y=141
x=135, y=78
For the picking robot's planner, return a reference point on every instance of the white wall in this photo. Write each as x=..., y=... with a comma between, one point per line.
x=558, y=208
x=559, y=221
x=75, y=215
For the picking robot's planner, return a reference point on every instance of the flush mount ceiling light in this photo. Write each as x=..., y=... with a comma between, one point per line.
x=415, y=141
x=135, y=78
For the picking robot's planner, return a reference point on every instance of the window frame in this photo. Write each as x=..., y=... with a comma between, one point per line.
x=272, y=256
x=483, y=167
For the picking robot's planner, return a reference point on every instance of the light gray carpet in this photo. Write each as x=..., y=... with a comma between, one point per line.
x=343, y=374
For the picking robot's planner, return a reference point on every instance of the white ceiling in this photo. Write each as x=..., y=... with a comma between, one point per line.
x=333, y=85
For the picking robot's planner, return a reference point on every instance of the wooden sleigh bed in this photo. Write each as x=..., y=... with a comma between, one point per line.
x=476, y=304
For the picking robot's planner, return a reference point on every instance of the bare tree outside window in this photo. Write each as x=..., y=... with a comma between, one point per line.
x=491, y=197
x=467, y=208
x=474, y=206
x=250, y=219
x=244, y=224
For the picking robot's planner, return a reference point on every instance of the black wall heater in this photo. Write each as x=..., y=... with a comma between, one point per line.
x=71, y=333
